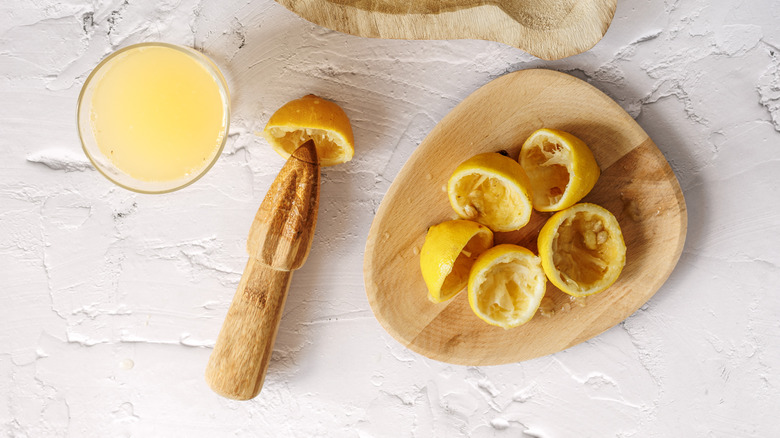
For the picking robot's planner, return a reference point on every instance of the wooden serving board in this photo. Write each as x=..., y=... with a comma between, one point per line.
x=636, y=185
x=548, y=29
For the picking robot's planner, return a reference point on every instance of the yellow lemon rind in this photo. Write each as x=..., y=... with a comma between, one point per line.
x=583, y=169
x=312, y=113
x=482, y=269
x=439, y=254
x=504, y=169
x=546, y=241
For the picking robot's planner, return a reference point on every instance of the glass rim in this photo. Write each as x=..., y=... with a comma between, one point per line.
x=181, y=183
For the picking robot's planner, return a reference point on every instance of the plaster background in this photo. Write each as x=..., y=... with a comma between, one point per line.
x=112, y=300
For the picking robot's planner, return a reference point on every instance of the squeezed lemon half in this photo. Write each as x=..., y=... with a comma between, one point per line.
x=312, y=118
x=493, y=190
x=582, y=249
x=506, y=285
x=561, y=168
x=447, y=255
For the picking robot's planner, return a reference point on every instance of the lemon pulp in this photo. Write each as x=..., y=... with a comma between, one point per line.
x=493, y=190
x=312, y=118
x=547, y=169
x=582, y=249
x=561, y=168
x=506, y=285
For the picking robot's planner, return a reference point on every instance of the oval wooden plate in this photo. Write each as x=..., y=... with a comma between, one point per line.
x=636, y=185
x=548, y=29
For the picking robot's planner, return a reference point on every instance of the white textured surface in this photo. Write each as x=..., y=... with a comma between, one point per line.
x=112, y=300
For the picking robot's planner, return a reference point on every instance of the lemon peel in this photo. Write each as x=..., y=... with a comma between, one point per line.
x=449, y=250
x=561, y=168
x=312, y=118
x=506, y=285
x=491, y=189
x=582, y=249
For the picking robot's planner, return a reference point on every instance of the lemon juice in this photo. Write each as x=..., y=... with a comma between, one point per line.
x=157, y=116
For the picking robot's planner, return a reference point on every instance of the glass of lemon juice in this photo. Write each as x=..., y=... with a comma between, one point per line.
x=153, y=117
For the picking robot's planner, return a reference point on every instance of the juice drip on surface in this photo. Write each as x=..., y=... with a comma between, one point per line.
x=158, y=114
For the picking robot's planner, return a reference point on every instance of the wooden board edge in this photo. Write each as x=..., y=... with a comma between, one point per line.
x=548, y=44
x=370, y=247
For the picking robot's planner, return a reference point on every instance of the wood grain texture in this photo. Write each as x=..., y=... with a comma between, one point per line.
x=548, y=29
x=283, y=228
x=279, y=242
x=237, y=366
x=636, y=185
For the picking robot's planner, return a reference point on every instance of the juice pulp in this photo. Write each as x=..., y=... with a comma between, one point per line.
x=157, y=113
